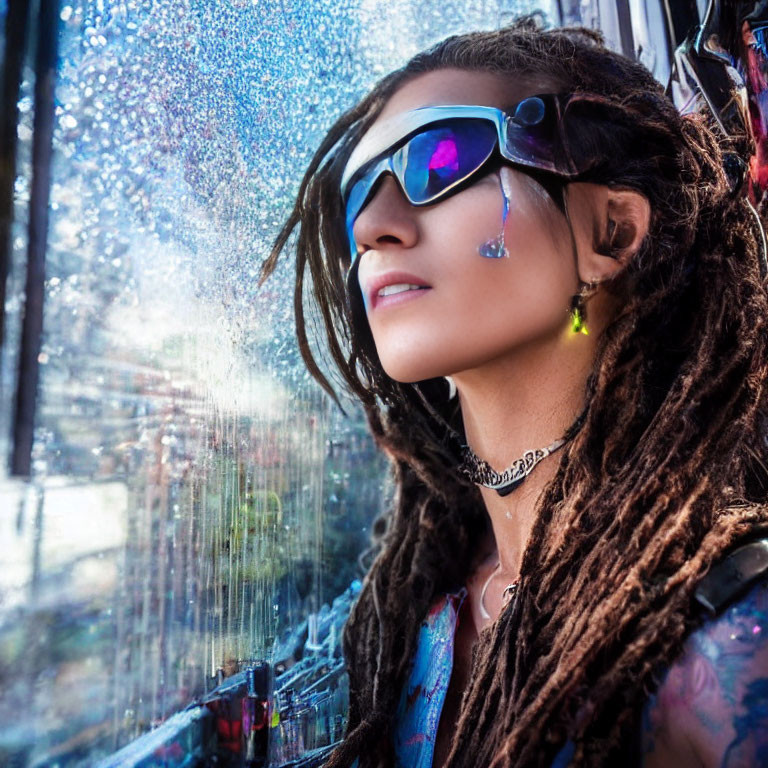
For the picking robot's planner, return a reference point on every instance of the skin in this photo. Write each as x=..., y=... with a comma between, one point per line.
x=501, y=329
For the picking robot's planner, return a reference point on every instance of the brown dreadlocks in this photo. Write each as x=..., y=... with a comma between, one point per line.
x=664, y=475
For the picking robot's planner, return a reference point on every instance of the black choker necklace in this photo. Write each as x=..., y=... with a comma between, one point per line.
x=482, y=473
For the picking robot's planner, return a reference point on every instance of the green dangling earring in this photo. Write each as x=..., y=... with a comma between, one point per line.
x=578, y=310
x=578, y=321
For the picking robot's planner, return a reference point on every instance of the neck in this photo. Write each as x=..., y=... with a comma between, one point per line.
x=524, y=400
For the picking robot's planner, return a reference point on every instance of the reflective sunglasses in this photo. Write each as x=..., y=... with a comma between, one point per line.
x=433, y=151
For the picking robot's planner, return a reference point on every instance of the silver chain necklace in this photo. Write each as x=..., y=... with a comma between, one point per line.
x=482, y=473
x=508, y=594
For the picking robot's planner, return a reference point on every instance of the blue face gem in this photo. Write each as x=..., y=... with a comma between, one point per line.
x=496, y=248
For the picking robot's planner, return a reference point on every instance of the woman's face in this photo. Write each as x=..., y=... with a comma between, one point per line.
x=476, y=309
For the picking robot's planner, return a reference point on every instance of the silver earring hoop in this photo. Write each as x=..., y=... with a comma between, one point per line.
x=451, y=387
x=589, y=289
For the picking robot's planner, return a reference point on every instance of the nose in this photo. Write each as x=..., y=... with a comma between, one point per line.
x=387, y=219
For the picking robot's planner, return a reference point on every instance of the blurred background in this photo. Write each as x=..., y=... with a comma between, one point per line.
x=176, y=494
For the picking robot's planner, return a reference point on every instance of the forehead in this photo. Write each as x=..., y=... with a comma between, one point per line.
x=458, y=86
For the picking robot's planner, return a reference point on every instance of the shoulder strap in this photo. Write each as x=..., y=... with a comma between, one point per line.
x=732, y=576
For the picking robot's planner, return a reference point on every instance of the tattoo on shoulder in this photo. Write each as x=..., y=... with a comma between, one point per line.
x=712, y=705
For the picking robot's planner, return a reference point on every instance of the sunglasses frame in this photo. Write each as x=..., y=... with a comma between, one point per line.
x=384, y=150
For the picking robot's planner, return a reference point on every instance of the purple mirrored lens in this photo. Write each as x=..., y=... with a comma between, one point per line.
x=438, y=159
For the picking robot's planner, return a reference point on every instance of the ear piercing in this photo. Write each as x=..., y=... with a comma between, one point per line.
x=578, y=308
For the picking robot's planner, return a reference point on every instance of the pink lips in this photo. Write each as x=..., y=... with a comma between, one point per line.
x=376, y=283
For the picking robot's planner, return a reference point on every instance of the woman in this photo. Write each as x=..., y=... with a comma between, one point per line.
x=525, y=213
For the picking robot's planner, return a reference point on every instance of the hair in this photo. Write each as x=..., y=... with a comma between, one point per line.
x=664, y=475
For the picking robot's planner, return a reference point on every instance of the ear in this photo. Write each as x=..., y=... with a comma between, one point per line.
x=608, y=226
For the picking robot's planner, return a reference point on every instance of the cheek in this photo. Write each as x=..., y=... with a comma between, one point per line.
x=535, y=223
x=505, y=213
x=514, y=274
x=508, y=239
x=473, y=223
x=481, y=306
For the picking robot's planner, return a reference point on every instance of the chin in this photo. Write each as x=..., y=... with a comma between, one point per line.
x=408, y=374
x=413, y=371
